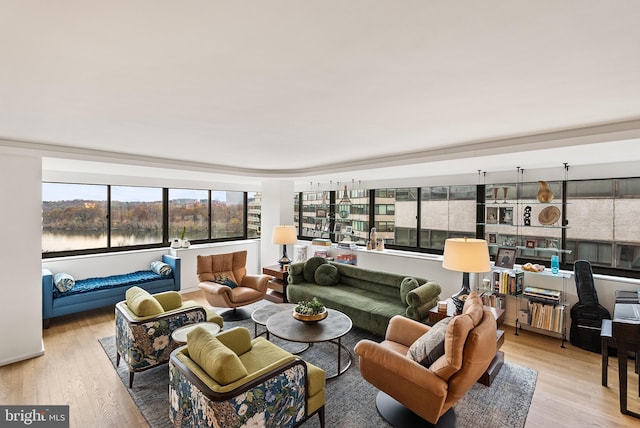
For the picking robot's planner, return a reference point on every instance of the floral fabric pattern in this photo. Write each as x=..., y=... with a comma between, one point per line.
x=277, y=402
x=149, y=344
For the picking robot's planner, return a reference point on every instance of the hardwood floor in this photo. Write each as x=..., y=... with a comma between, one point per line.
x=76, y=371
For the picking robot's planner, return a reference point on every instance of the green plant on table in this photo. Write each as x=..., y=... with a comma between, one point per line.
x=310, y=307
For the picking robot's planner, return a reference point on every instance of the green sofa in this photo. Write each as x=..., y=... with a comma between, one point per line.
x=370, y=298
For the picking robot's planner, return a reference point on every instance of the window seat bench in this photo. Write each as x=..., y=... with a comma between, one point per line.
x=93, y=293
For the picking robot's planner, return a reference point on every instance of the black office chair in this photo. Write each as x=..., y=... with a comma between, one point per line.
x=587, y=314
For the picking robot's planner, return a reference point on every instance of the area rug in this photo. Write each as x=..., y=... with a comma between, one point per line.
x=350, y=399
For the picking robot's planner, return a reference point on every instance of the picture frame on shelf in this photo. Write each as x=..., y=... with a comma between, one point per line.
x=551, y=243
x=318, y=225
x=321, y=213
x=505, y=258
x=348, y=230
x=492, y=215
x=530, y=243
x=493, y=238
x=327, y=226
x=506, y=215
x=337, y=228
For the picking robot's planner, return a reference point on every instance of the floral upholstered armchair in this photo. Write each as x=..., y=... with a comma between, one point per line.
x=144, y=323
x=229, y=380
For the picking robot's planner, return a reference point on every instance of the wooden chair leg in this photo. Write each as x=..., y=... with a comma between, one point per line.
x=604, y=350
x=321, y=416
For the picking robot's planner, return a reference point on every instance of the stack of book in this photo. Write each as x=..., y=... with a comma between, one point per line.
x=547, y=317
x=543, y=293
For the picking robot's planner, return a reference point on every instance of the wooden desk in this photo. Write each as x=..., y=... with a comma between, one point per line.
x=625, y=332
x=277, y=286
x=496, y=364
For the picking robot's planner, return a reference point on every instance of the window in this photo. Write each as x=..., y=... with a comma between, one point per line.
x=189, y=211
x=396, y=209
x=227, y=214
x=446, y=212
x=254, y=214
x=316, y=207
x=74, y=217
x=603, y=224
x=85, y=219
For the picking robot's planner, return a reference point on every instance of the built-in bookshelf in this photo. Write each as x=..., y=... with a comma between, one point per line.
x=543, y=309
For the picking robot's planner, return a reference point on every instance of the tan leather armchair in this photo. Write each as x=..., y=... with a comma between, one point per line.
x=224, y=280
x=469, y=347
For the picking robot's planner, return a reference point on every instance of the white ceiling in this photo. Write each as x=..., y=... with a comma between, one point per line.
x=318, y=89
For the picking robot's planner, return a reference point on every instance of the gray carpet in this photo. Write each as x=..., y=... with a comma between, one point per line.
x=350, y=399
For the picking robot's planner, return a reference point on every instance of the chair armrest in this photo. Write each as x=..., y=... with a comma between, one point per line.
x=257, y=282
x=404, y=330
x=378, y=359
x=425, y=293
x=176, y=264
x=215, y=288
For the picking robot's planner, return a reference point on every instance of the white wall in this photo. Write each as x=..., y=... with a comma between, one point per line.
x=20, y=252
x=276, y=210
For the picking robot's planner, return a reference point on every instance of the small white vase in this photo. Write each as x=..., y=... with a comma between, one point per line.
x=184, y=243
x=175, y=243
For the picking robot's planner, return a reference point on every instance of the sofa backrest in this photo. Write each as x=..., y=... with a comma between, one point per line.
x=385, y=283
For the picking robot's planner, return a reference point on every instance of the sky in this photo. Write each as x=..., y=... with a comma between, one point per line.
x=64, y=191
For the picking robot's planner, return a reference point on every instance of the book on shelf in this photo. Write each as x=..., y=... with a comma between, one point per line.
x=543, y=293
x=508, y=282
x=546, y=316
x=493, y=300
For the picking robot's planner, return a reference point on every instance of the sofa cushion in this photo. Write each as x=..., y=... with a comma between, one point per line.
x=423, y=294
x=473, y=307
x=430, y=346
x=141, y=303
x=225, y=278
x=169, y=300
x=408, y=284
x=327, y=274
x=454, y=340
x=220, y=362
x=161, y=268
x=310, y=267
x=63, y=282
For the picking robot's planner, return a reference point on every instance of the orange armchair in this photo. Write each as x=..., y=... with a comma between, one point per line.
x=224, y=280
x=409, y=389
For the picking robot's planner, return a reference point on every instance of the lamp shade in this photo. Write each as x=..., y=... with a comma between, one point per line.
x=283, y=235
x=466, y=255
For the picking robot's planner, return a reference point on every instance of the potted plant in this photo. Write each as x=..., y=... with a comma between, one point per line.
x=184, y=243
x=310, y=310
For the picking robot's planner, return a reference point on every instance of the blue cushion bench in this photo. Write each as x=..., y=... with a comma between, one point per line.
x=92, y=293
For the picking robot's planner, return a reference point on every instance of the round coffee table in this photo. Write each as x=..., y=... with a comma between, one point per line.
x=262, y=314
x=331, y=329
x=179, y=335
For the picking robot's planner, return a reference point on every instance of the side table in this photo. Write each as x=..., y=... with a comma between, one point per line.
x=277, y=286
x=180, y=335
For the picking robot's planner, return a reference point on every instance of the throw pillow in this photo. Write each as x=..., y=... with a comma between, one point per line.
x=327, y=274
x=220, y=362
x=225, y=278
x=161, y=268
x=310, y=267
x=430, y=346
x=406, y=286
x=454, y=340
x=141, y=303
x=63, y=282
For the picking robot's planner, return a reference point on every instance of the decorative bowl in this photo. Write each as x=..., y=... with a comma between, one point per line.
x=310, y=318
